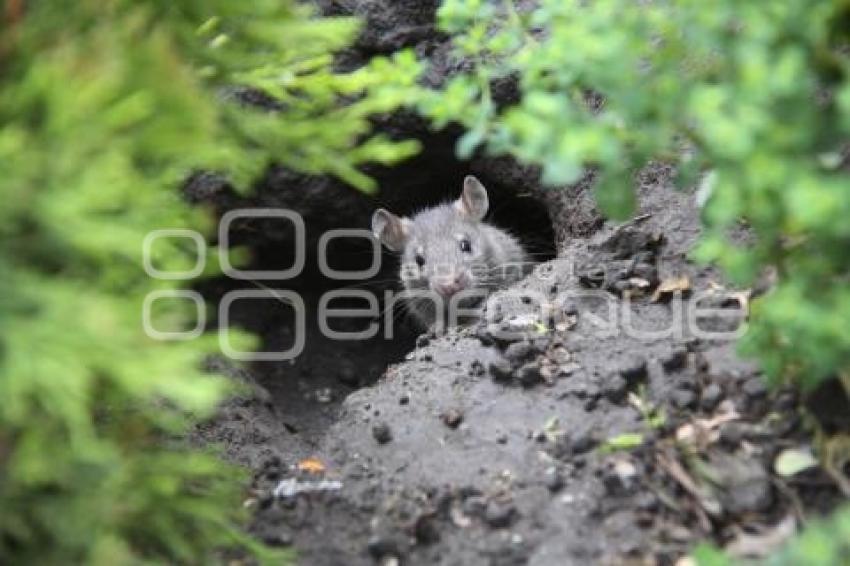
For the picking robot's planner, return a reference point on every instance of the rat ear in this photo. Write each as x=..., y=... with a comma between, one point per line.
x=473, y=201
x=391, y=230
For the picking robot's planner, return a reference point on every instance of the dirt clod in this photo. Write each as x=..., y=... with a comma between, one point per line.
x=382, y=433
x=501, y=370
x=499, y=515
x=452, y=418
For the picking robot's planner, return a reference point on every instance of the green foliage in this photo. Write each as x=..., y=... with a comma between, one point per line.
x=822, y=543
x=756, y=93
x=104, y=108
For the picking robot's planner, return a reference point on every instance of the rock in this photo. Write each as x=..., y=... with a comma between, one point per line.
x=529, y=374
x=382, y=433
x=381, y=546
x=568, y=446
x=553, y=479
x=425, y=529
x=647, y=501
x=484, y=336
x=348, y=376
x=452, y=418
x=711, y=397
x=675, y=360
x=404, y=399
x=583, y=442
x=474, y=506
x=731, y=434
x=683, y=399
x=620, y=477
x=519, y=351
x=614, y=389
x=499, y=515
x=422, y=341
x=501, y=370
x=745, y=484
x=276, y=537
x=634, y=370
x=755, y=388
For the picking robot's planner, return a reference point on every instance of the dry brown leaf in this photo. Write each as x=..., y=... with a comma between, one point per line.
x=702, y=433
x=311, y=466
x=672, y=285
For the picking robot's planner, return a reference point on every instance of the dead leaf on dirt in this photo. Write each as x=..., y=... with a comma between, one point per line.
x=701, y=433
x=311, y=466
x=746, y=545
x=459, y=519
x=672, y=285
x=792, y=461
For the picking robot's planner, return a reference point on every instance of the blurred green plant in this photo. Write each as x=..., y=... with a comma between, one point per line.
x=750, y=99
x=105, y=107
x=821, y=543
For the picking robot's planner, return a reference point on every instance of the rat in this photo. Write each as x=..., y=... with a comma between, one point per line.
x=450, y=257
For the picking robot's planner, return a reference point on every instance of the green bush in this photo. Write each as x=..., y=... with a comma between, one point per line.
x=105, y=107
x=753, y=98
x=751, y=103
x=822, y=543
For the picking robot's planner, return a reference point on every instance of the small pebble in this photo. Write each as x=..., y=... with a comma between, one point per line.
x=634, y=370
x=499, y=515
x=452, y=418
x=529, y=374
x=683, y=399
x=348, y=376
x=553, y=479
x=675, y=361
x=711, y=397
x=501, y=370
x=382, y=433
x=755, y=388
x=614, y=388
x=519, y=351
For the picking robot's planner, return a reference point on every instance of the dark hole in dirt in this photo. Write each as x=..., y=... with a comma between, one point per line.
x=307, y=387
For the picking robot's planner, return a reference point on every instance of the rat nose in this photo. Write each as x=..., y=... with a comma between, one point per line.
x=449, y=286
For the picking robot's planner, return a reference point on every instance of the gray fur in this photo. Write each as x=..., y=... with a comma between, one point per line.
x=494, y=259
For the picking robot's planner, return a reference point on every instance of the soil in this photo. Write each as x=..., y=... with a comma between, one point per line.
x=479, y=447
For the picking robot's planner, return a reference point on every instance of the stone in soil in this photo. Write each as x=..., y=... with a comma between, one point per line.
x=529, y=374
x=501, y=370
x=675, y=360
x=382, y=433
x=711, y=397
x=452, y=418
x=519, y=351
x=499, y=515
x=683, y=399
x=615, y=388
x=634, y=370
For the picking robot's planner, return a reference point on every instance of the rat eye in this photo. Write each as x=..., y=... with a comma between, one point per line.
x=420, y=261
x=465, y=246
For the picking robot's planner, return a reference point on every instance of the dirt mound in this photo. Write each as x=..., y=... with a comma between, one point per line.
x=602, y=417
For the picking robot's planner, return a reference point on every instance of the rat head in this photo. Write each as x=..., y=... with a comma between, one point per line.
x=443, y=247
